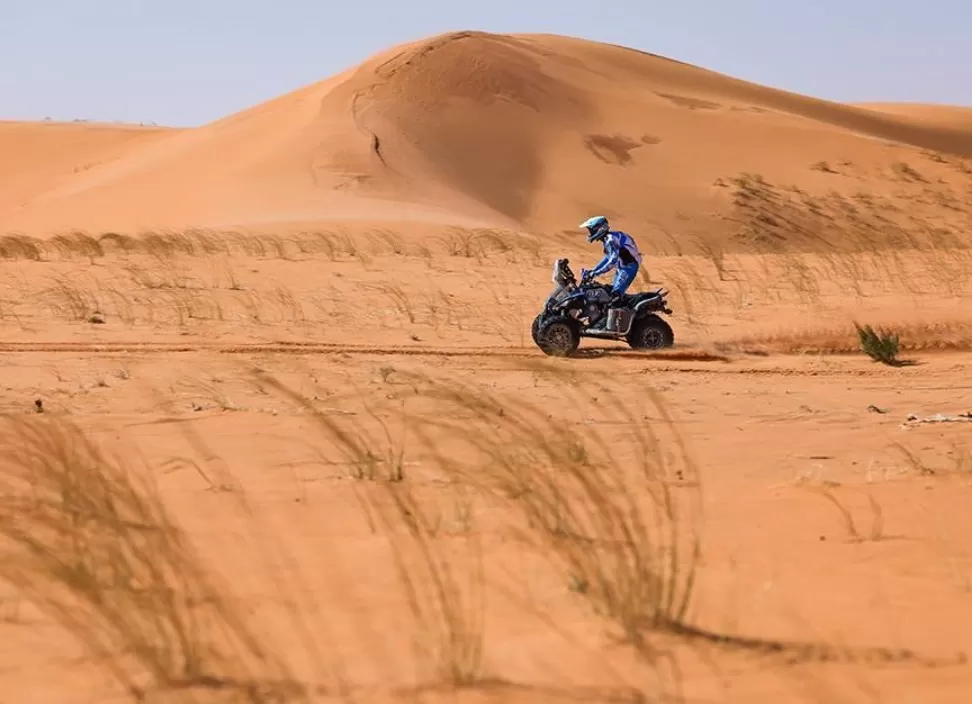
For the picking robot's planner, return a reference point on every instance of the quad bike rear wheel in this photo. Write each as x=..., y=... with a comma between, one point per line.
x=535, y=330
x=651, y=333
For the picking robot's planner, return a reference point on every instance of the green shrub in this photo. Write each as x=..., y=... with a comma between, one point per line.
x=880, y=346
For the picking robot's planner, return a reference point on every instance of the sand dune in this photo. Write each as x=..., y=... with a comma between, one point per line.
x=952, y=117
x=525, y=131
x=40, y=156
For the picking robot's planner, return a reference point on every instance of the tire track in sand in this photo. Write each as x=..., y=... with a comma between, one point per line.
x=333, y=348
x=677, y=360
x=280, y=347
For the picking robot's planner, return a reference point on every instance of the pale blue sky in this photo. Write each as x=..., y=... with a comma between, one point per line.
x=186, y=62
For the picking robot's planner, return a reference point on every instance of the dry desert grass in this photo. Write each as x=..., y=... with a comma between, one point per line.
x=92, y=545
x=782, y=302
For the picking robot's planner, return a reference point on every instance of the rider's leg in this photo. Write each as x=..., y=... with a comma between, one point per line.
x=622, y=280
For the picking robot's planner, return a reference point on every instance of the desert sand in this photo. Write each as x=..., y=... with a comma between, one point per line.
x=275, y=428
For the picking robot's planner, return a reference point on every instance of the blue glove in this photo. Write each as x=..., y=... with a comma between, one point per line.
x=585, y=275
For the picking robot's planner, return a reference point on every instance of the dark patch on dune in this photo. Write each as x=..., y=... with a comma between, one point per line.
x=685, y=101
x=611, y=149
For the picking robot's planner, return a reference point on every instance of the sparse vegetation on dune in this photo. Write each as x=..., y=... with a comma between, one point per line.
x=332, y=245
x=786, y=246
x=90, y=543
x=604, y=517
x=880, y=346
x=844, y=339
x=774, y=218
x=602, y=492
x=189, y=289
x=620, y=531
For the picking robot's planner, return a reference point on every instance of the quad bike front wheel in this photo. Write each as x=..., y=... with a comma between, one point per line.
x=535, y=330
x=651, y=333
x=558, y=337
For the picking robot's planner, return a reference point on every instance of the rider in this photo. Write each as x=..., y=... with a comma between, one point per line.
x=620, y=251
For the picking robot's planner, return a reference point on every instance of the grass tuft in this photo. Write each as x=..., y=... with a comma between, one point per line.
x=91, y=544
x=881, y=346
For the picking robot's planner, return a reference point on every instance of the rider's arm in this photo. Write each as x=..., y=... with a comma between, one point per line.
x=608, y=262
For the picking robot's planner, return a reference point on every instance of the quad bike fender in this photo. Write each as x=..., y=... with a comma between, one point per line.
x=649, y=306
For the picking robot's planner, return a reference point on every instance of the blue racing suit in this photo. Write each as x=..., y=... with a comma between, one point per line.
x=621, y=252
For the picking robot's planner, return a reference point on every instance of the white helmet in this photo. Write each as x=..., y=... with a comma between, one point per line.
x=597, y=228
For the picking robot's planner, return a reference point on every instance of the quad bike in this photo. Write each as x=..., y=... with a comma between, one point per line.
x=573, y=311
